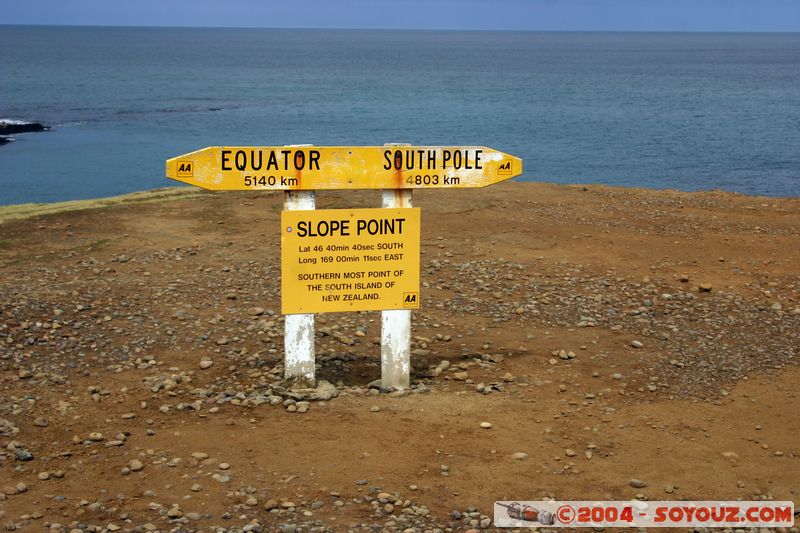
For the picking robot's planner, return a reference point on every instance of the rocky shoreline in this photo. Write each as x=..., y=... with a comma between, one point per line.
x=12, y=127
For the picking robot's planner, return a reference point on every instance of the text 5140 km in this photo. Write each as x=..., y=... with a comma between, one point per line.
x=269, y=181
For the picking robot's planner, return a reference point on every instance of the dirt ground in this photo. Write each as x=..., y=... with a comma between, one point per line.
x=606, y=334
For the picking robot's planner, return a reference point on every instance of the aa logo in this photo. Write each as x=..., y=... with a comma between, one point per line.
x=185, y=169
x=411, y=299
x=504, y=168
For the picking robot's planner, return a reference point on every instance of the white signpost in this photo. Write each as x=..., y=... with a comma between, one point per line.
x=396, y=323
x=298, y=330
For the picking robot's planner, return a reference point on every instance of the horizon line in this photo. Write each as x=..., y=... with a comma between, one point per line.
x=353, y=28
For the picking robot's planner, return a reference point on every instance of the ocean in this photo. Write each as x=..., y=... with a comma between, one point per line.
x=689, y=111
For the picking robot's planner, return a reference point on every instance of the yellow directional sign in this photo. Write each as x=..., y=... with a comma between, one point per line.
x=349, y=260
x=238, y=168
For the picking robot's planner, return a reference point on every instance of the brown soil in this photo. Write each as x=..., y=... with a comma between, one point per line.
x=106, y=314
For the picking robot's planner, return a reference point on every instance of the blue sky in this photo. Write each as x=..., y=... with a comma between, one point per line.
x=634, y=15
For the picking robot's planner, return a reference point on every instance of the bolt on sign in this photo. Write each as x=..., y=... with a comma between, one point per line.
x=349, y=260
x=246, y=168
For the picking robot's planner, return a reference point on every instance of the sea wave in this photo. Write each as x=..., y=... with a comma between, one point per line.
x=15, y=122
x=164, y=110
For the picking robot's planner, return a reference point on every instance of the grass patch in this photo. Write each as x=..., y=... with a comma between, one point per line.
x=22, y=211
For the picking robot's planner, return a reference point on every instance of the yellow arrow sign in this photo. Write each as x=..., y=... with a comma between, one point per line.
x=243, y=168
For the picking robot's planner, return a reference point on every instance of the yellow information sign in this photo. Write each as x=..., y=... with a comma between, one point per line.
x=349, y=260
x=245, y=168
